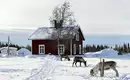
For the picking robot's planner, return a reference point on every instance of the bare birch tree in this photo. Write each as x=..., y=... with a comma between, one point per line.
x=64, y=14
x=63, y=17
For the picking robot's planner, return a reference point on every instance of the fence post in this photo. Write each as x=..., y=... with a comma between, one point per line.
x=100, y=60
x=102, y=68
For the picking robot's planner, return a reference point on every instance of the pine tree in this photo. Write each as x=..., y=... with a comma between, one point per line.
x=28, y=47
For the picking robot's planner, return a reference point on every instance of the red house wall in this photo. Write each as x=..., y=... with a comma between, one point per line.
x=67, y=46
x=50, y=46
x=80, y=42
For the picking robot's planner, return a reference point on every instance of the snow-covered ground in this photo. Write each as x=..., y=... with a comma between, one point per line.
x=49, y=67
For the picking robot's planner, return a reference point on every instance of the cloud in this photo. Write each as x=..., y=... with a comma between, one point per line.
x=94, y=16
x=103, y=16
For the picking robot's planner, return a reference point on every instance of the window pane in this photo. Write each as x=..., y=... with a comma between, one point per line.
x=61, y=49
x=41, y=49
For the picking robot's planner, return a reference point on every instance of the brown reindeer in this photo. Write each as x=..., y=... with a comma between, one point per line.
x=80, y=60
x=65, y=57
x=107, y=65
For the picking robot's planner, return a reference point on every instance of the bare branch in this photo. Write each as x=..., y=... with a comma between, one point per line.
x=63, y=12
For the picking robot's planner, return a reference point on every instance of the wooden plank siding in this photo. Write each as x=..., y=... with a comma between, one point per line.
x=80, y=42
x=51, y=46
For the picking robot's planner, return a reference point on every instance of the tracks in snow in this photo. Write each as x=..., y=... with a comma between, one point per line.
x=45, y=70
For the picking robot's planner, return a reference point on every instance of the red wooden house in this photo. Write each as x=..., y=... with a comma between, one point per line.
x=45, y=40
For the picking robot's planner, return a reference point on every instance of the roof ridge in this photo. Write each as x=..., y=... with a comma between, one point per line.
x=41, y=30
x=54, y=27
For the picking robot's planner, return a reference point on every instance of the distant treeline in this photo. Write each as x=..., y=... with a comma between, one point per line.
x=5, y=44
x=125, y=48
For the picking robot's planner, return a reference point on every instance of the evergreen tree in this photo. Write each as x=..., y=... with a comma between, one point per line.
x=28, y=47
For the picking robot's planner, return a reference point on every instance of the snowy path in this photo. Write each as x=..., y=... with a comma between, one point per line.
x=41, y=73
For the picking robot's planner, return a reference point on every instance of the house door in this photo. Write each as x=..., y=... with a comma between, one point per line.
x=42, y=49
x=74, y=48
x=61, y=49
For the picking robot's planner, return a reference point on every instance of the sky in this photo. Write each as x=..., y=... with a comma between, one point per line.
x=20, y=18
x=93, y=16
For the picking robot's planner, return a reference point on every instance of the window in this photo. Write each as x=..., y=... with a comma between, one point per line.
x=60, y=49
x=74, y=48
x=77, y=37
x=80, y=49
x=42, y=49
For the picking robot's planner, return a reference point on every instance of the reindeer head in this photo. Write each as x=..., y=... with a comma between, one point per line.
x=68, y=59
x=91, y=72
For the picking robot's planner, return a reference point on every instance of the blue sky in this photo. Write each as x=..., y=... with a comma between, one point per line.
x=19, y=37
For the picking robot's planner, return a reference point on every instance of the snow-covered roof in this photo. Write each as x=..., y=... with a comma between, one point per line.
x=51, y=33
x=24, y=52
x=11, y=48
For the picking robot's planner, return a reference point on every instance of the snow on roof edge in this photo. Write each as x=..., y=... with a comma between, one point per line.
x=46, y=28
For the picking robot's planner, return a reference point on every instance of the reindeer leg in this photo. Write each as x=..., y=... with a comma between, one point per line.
x=73, y=64
x=61, y=58
x=80, y=64
x=117, y=74
x=86, y=63
x=76, y=64
x=68, y=58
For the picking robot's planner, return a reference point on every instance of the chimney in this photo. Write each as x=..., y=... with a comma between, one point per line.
x=55, y=24
x=58, y=24
x=61, y=23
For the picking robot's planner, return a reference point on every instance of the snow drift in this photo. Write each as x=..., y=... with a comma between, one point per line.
x=103, y=53
x=48, y=67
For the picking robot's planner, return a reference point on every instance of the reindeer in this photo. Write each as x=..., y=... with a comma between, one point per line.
x=80, y=60
x=64, y=56
x=107, y=65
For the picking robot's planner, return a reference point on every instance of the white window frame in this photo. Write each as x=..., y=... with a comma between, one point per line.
x=74, y=47
x=41, y=46
x=63, y=50
x=80, y=49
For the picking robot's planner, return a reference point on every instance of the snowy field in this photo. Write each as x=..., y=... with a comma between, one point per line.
x=50, y=67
